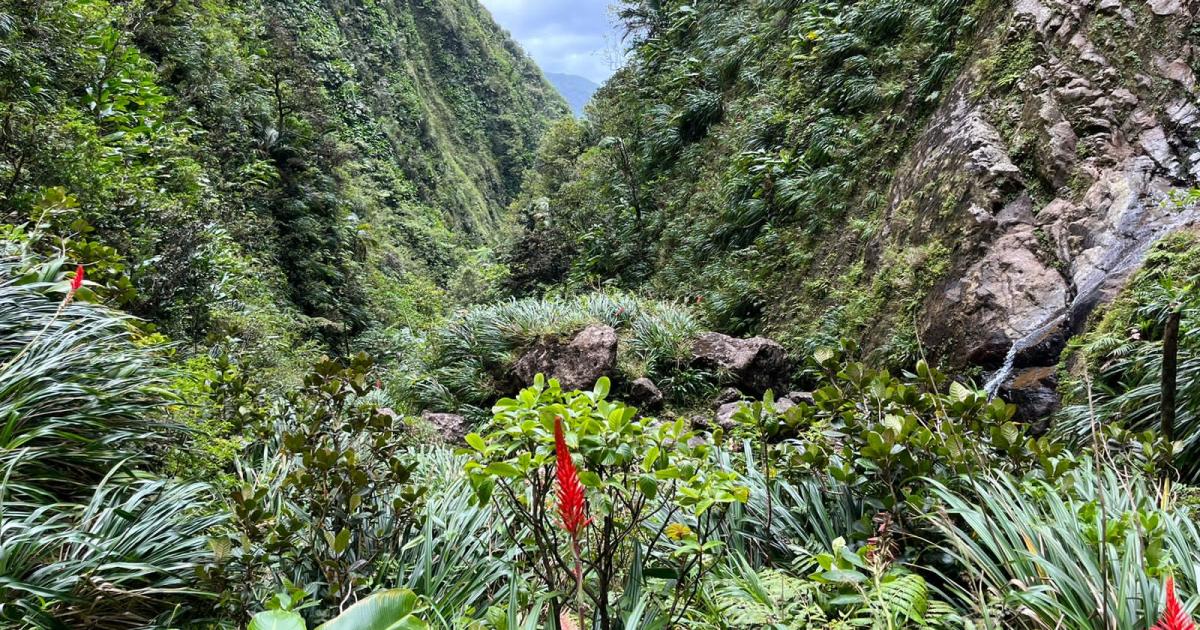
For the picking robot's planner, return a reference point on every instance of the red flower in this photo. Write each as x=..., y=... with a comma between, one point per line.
x=570, y=491
x=77, y=281
x=1174, y=618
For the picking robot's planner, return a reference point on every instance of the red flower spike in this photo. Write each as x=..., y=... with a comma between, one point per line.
x=77, y=281
x=1174, y=618
x=570, y=491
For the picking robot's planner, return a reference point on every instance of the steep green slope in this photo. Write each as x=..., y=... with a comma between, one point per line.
x=265, y=170
x=967, y=176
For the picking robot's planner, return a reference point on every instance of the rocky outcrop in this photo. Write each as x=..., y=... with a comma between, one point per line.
x=645, y=394
x=452, y=427
x=578, y=364
x=755, y=365
x=1053, y=188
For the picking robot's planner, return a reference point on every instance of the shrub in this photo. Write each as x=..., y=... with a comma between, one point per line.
x=656, y=496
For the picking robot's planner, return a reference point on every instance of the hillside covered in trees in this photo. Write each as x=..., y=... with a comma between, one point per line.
x=824, y=314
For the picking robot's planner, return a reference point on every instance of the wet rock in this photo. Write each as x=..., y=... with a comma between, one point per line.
x=1034, y=392
x=1154, y=141
x=450, y=426
x=756, y=364
x=1006, y=296
x=590, y=355
x=645, y=394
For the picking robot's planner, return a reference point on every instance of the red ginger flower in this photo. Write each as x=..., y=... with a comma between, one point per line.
x=1174, y=618
x=570, y=491
x=77, y=281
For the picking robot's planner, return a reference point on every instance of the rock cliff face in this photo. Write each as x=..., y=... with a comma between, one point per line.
x=1063, y=178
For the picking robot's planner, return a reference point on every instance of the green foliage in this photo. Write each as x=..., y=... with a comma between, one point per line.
x=395, y=609
x=725, y=158
x=1088, y=552
x=86, y=538
x=1114, y=371
x=883, y=436
x=270, y=171
x=330, y=494
x=654, y=495
x=76, y=393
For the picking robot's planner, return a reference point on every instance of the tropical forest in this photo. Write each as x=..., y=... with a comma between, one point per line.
x=599, y=314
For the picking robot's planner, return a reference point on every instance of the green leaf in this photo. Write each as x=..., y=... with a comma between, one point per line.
x=649, y=486
x=959, y=392
x=844, y=577
x=277, y=620
x=589, y=479
x=475, y=441
x=342, y=541
x=386, y=610
x=502, y=469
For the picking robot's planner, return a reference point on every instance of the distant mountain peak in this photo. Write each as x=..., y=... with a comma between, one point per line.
x=576, y=89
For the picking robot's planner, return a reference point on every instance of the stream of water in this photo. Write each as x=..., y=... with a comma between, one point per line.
x=1118, y=261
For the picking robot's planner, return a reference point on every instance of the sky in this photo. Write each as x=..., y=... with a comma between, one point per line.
x=565, y=36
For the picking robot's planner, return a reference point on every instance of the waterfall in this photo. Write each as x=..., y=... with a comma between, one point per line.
x=1020, y=345
x=1118, y=261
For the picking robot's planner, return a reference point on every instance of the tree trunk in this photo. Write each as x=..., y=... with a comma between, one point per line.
x=1170, y=362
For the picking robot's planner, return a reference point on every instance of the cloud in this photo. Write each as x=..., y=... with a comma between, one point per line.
x=568, y=36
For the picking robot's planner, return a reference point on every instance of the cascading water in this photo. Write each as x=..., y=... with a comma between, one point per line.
x=1024, y=343
x=1118, y=261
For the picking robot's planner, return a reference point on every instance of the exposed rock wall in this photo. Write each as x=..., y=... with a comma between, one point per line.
x=1061, y=174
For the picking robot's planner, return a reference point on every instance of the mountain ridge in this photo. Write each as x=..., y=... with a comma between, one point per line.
x=576, y=89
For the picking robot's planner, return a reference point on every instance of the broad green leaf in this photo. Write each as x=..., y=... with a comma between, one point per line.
x=475, y=441
x=277, y=620
x=502, y=469
x=589, y=479
x=386, y=610
x=959, y=392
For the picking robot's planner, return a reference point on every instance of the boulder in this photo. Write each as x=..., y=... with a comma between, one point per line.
x=756, y=364
x=727, y=395
x=645, y=394
x=451, y=426
x=590, y=355
x=799, y=398
x=1035, y=393
x=724, y=415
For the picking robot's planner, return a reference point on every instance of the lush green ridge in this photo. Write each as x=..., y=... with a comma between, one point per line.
x=267, y=181
x=741, y=156
x=271, y=171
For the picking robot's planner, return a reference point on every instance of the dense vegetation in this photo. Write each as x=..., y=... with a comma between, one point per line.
x=251, y=250
x=279, y=173
x=749, y=144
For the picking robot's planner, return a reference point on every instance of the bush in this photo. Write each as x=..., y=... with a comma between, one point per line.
x=655, y=496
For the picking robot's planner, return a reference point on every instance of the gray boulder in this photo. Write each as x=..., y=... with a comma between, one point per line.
x=452, y=427
x=645, y=394
x=590, y=355
x=756, y=364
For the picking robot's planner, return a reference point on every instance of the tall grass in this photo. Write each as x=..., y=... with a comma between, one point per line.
x=86, y=539
x=1087, y=553
x=76, y=396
